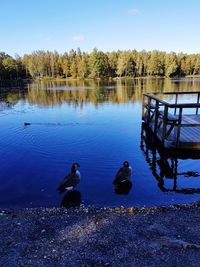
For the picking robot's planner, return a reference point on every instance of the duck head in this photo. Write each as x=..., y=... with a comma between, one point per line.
x=74, y=167
x=126, y=164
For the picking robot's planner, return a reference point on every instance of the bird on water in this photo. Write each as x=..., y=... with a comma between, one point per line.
x=122, y=181
x=71, y=180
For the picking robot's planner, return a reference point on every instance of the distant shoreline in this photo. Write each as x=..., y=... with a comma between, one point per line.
x=113, y=78
x=29, y=80
x=22, y=82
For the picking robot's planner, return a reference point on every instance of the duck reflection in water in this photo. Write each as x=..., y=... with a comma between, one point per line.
x=164, y=165
x=122, y=182
x=71, y=199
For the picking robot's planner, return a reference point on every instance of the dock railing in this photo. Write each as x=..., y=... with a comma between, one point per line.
x=155, y=111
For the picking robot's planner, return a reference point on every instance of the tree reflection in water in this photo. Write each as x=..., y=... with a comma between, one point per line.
x=80, y=92
x=164, y=164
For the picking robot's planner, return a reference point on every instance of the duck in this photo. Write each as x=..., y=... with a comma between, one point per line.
x=122, y=181
x=27, y=123
x=71, y=180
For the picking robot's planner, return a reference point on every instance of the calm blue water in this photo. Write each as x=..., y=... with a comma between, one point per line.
x=98, y=126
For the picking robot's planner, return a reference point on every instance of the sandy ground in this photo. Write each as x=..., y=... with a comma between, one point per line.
x=160, y=236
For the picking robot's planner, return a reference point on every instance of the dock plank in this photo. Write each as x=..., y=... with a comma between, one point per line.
x=189, y=136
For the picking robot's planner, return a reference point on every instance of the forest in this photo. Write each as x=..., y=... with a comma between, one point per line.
x=98, y=64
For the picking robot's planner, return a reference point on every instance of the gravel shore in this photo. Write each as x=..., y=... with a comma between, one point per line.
x=158, y=236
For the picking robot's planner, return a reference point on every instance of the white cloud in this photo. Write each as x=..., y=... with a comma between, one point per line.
x=78, y=38
x=48, y=39
x=133, y=12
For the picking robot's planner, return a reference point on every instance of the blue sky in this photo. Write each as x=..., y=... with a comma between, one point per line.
x=167, y=25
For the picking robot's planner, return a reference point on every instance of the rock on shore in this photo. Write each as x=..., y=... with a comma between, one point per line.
x=158, y=236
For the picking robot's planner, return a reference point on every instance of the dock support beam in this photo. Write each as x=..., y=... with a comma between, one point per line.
x=156, y=117
x=164, y=123
x=179, y=127
x=197, y=109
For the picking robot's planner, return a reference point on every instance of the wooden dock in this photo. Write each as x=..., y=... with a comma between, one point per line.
x=164, y=165
x=175, y=124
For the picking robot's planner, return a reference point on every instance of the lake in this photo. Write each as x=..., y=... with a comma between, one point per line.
x=98, y=125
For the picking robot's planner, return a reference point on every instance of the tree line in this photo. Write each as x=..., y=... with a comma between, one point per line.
x=98, y=64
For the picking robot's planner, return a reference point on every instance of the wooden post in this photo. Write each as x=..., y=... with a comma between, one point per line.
x=164, y=123
x=197, y=109
x=148, y=109
x=143, y=97
x=156, y=116
x=179, y=126
x=176, y=100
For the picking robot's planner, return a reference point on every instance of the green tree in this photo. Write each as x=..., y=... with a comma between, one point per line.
x=126, y=64
x=197, y=65
x=83, y=69
x=98, y=64
x=171, y=65
x=113, y=59
x=155, y=65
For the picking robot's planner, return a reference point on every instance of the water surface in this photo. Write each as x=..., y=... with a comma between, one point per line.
x=98, y=125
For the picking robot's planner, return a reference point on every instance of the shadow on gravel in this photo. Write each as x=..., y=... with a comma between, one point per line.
x=101, y=237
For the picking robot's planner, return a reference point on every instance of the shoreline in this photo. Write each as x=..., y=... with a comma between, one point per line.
x=70, y=79
x=82, y=207
x=88, y=236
